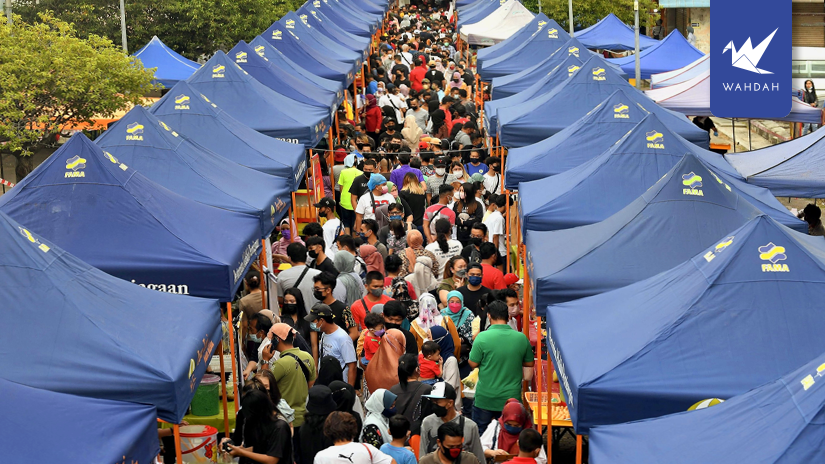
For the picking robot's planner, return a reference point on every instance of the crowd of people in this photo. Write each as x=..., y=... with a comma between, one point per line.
x=397, y=334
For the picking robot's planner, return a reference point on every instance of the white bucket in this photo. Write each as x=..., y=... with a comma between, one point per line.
x=199, y=443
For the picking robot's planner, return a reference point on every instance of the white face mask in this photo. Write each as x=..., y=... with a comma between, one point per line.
x=458, y=173
x=439, y=171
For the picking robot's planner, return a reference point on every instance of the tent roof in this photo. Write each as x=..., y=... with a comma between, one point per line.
x=795, y=168
x=691, y=206
x=188, y=169
x=599, y=188
x=682, y=74
x=505, y=21
x=320, y=42
x=349, y=23
x=551, y=112
x=258, y=106
x=717, y=325
x=79, y=430
x=96, y=330
x=545, y=42
x=280, y=80
x=316, y=19
x=477, y=11
x=777, y=422
x=172, y=66
x=591, y=135
x=610, y=33
x=203, y=122
x=117, y=220
x=539, y=22
x=560, y=73
x=263, y=48
x=673, y=52
x=305, y=55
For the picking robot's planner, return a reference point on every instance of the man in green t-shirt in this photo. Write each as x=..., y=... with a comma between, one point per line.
x=345, y=179
x=294, y=371
x=499, y=353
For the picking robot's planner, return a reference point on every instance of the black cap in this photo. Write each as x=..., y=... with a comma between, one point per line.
x=325, y=202
x=441, y=161
x=319, y=310
x=320, y=401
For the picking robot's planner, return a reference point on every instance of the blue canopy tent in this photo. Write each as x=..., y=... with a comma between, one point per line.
x=117, y=220
x=185, y=109
x=551, y=112
x=348, y=22
x=543, y=43
x=474, y=15
x=474, y=7
x=715, y=326
x=280, y=80
x=599, y=188
x=258, y=106
x=683, y=74
x=149, y=145
x=360, y=9
x=470, y=5
x=691, y=206
x=591, y=135
x=320, y=42
x=265, y=49
x=314, y=18
x=791, y=169
x=79, y=430
x=99, y=335
x=779, y=422
x=560, y=73
x=610, y=33
x=172, y=66
x=539, y=22
x=314, y=61
x=673, y=52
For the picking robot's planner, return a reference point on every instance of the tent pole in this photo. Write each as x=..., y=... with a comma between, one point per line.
x=312, y=210
x=507, y=228
x=733, y=129
x=223, y=391
x=330, y=165
x=232, y=352
x=176, y=433
x=750, y=147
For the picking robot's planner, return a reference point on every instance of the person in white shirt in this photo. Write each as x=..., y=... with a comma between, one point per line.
x=394, y=100
x=333, y=227
x=340, y=428
x=444, y=247
x=492, y=178
x=376, y=196
x=496, y=224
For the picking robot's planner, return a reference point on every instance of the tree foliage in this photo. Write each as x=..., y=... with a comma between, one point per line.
x=190, y=27
x=588, y=12
x=49, y=77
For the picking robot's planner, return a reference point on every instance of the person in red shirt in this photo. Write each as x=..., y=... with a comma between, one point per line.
x=375, y=295
x=372, y=117
x=446, y=103
x=493, y=277
x=529, y=447
x=417, y=75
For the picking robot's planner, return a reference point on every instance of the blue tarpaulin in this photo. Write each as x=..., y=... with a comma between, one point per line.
x=737, y=315
x=599, y=188
x=112, y=217
x=560, y=73
x=673, y=52
x=77, y=430
x=791, y=169
x=280, y=80
x=779, y=422
x=346, y=21
x=258, y=106
x=544, y=43
x=539, y=22
x=476, y=12
x=553, y=111
x=292, y=22
x=316, y=61
x=205, y=123
x=314, y=18
x=592, y=135
x=692, y=206
x=610, y=33
x=152, y=147
x=172, y=66
x=99, y=335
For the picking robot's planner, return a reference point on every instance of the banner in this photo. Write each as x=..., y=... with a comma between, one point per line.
x=317, y=177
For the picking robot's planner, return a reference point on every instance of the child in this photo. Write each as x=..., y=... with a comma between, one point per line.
x=400, y=431
x=372, y=335
x=429, y=362
x=529, y=446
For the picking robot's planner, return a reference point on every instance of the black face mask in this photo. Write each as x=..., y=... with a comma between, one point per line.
x=496, y=168
x=290, y=308
x=390, y=325
x=312, y=254
x=475, y=241
x=439, y=411
x=318, y=295
x=474, y=160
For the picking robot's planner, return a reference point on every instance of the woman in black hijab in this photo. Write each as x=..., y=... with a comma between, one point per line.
x=344, y=396
x=329, y=371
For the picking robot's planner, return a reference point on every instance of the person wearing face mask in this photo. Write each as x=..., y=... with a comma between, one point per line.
x=492, y=178
x=504, y=436
x=419, y=113
x=460, y=315
x=333, y=226
x=510, y=298
x=455, y=276
x=293, y=312
x=369, y=235
x=380, y=407
x=460, y=175
x=410, y=391
x=316, y=250
x=335, y=341
x=257, y=328
x=475, y=165
x=377, y=195
x=397, y=176
x=435, y=75
x=468, y=212
x=446, y=423
x=474, y=289
x=375, y=295
x=440, y=177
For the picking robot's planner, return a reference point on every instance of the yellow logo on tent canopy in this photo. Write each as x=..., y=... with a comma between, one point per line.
x=573, y=51
x=571, y=69
x=807, y=382
x=74, y=163
x=774, y=254
x=692, y=181
x=621, y=111
x=654, y=140
x=317, y=3
x=217, y=71
x=502, y=2
x=182, y=102
x=304, y=18
x=599, y=74
x=240, y=57
x=290, y=24
x=276, y=35
x=720, y=247
x=542, y=24
x=43, y=247
x=133, y=131
x=315, y=14
x=260, y=51
x=110, y=157
x=168, y=129
x=553, y=33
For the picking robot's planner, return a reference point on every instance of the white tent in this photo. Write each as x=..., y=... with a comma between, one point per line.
x=505, y=21
x=680, y=75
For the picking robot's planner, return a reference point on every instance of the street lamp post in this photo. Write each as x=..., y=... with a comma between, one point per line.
x=8, y=10
x=122, y=25
x=570, y=11
x=638, y=64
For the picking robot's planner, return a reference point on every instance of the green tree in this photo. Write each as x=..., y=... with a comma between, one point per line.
x=588, y=12
x=50, y=78
x=190, y=27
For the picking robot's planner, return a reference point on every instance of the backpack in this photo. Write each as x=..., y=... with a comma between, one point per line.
x=401, y=293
